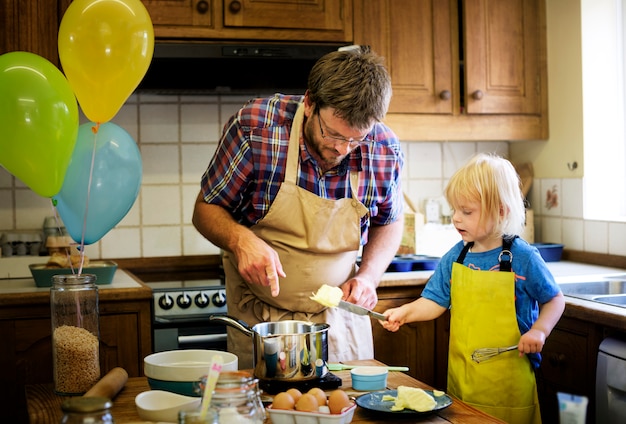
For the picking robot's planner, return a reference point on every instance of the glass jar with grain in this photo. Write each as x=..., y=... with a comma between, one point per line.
x=75, y=333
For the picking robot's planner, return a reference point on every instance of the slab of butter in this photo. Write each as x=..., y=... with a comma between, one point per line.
x=328, y=296
x=413, y=398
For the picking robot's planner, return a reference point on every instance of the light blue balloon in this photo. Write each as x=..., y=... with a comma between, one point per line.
x=115, y=182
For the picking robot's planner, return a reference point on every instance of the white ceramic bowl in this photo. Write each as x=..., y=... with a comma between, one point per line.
x=185, y=365
x=162, y=406
x=177, y=370
x=369, y=378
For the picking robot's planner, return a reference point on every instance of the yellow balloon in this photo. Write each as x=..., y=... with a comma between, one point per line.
x=105, y=47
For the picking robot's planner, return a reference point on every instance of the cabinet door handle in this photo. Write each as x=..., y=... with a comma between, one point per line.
x=477, y=95
x=202, y=7
x=558, y=359
x=445, y=95
x=234, y=7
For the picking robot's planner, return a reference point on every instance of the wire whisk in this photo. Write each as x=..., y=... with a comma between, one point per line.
x=485, y=353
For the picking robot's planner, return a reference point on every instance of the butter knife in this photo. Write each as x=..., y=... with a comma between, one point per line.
x=359, y=310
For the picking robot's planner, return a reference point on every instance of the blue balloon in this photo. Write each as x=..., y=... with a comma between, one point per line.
x=115, y=182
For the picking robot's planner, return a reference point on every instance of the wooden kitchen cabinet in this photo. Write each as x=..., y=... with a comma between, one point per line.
x=461, y=69
x=569, y=365
x=420, y=346
x=31, y=26
x=278, y=20
x=26, y=348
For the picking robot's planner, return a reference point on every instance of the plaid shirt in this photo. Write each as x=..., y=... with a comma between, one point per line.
x=249, y=166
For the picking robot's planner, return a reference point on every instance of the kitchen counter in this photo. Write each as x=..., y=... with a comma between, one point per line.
x=23, y=291
x=44, y=405
x=25, y=329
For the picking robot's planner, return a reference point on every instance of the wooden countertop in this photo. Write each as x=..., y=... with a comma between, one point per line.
x=23, y=291
x=44, y=405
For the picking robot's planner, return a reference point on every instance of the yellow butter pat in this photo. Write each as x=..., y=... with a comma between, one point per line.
x=328, y=296
x=413, y=398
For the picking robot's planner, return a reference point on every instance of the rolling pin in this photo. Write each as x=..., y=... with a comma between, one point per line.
x=109, y=385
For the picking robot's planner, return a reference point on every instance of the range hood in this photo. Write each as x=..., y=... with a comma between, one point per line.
x=231, y=68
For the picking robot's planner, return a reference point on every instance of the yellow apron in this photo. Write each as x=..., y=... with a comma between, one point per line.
x=317, y=241
x=483, y=315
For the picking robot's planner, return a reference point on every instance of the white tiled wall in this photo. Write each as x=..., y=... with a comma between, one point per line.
x=177, y=136
x=564, y=223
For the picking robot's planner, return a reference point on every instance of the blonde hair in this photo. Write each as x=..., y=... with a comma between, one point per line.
x=492, y=181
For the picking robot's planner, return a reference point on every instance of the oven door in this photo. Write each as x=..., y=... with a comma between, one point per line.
x=188, y=333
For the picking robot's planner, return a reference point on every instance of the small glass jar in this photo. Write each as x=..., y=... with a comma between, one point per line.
x=236, y=398
x=75, y=333
x=87, y=410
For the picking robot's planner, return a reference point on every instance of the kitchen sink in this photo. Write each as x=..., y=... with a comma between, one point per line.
x=594, y=287
x=604, y=289
x=616, y=299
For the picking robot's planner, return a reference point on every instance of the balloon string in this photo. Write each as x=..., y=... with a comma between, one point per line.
x=57, y=222
x=94, y=129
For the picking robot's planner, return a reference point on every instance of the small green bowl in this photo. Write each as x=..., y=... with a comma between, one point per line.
x=103, y=270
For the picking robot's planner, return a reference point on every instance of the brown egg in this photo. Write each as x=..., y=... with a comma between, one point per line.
x=295, y=394
x=307, y=403
x=283, y=400
x=338, y=400
x=319, y=395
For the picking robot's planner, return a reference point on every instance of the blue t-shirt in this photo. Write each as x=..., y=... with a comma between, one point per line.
x=534, y=284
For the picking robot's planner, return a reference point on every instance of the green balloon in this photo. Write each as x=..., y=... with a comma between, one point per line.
x=38, y=121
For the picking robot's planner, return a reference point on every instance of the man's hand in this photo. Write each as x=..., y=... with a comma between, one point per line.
x=360, y=291
x=259, y=264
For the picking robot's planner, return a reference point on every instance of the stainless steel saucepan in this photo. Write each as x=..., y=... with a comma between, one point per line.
x=285, y=350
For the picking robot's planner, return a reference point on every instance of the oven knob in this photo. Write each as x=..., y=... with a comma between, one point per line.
x=166, y=302
x=219, y=299
x=202, y=300
x=184, y=301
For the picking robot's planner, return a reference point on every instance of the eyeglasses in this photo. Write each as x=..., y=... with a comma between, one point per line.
x=338, y=138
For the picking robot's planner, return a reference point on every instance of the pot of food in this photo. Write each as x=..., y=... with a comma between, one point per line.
x=285, y=350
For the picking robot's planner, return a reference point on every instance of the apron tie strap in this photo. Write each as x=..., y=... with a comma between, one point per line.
x=505, y=258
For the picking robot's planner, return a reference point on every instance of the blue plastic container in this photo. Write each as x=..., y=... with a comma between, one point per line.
x=550, y=252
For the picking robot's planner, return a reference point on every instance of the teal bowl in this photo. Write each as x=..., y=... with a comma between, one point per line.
x=103, y=270
x=178, y=371
x=187, y=388
x=368, y=379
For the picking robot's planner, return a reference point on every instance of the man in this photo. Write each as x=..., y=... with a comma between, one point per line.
x=296, y=185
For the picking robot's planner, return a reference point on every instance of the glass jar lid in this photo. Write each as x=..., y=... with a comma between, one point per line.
x=86, y=404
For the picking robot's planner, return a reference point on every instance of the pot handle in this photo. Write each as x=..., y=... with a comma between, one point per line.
x=233, y=322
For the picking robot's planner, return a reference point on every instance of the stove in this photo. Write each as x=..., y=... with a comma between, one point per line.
x=181, y=311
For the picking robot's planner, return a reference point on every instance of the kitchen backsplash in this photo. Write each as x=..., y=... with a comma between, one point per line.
x=177, y=136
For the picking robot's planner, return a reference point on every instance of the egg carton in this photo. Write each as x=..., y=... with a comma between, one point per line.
x=282, y=416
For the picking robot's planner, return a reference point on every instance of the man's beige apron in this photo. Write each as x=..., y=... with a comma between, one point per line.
x=317, y=240
x=483, y=315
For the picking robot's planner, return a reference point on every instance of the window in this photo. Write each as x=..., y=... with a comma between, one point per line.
x=604, y=124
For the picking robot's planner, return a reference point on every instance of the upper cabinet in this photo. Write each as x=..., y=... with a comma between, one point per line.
x=461, y=69
x=30, y=26
x=277, y=20
x=503, y=56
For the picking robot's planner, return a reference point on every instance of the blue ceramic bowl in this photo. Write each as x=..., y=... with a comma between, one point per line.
x=367, y=379
x=550, y=252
